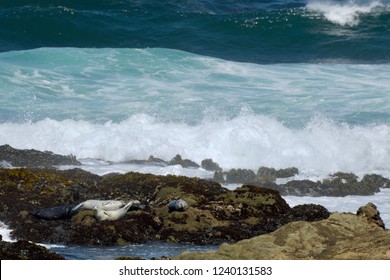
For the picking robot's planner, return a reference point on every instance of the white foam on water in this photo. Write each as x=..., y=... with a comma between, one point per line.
x=246, y=141
x=350, y=203
x=5, y=232
x=345, y=13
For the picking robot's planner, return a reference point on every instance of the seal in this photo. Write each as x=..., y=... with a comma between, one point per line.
x=100, y=205
x=54, y=213
x=177, y=205
x=112, y=215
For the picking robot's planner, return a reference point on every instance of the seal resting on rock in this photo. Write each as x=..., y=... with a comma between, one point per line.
x=55, y=213
x=112, y=215
x=177, y=205
x=100, y=205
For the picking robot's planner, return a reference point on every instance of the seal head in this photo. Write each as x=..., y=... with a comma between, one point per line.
x=177, y=205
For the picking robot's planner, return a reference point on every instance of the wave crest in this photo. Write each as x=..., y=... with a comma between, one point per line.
x=245, y=141
x=344, y=13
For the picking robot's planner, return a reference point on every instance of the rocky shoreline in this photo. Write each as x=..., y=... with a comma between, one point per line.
x=342, y=236
x=213, y=214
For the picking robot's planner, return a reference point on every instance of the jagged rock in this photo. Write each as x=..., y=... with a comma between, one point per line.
x=340, y=184
x=266, y=174
x=341, y=236
x=235, y=176
x=186, y=163
x=219, y=177
x=150, y=161
x=372, y=214
x=376, y=180
x=270, y=174
x=263, y=175
x=25, y=250
x=34, y=158
x=215, y=214
x=301, y=188
x=155, y=160
x=210, y=165
x=307, y=212
x=287, y=172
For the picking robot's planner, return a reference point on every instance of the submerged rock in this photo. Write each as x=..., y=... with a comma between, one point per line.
x=34, y=158
x=341, y=236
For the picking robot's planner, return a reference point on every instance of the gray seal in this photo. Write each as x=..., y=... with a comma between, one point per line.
x=112, y=215
x=54, y=213
x=93, y=204
x=177, y=205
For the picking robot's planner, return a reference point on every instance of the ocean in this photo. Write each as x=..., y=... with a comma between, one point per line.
x=247, y=83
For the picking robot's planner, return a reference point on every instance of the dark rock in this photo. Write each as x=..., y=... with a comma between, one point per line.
x=343, y=184
x=302, y=188
x=376, y=181
x=215, y=214
x=219, y=177
x=287, y=172
x=25, y=250
x=185, y=163
x=307, y=212
x=158, y=161
x=266, y=172
x=210, y=165
x=341, y=236
x=34, y=158
x=236, y=176
x=270, y=174
x=340, y=184
x=150, y=161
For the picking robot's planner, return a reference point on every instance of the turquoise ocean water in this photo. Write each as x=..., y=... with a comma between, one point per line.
x=246, y=83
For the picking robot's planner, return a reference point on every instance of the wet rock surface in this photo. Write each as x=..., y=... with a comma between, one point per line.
x=37, y=204
x=34, y=158
x=341, y=236
x=339, y=184
x=214, y=214
x=25, y=250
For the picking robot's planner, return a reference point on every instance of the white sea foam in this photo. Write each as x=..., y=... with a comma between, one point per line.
x=5, y=232
x=350, y=203
x=345, y=13
x=245, y=141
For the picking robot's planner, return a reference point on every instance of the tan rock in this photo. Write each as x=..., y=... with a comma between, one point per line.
x=341, y=236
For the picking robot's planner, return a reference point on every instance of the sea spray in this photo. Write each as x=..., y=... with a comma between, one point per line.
x=346, y=13
x=246, y=141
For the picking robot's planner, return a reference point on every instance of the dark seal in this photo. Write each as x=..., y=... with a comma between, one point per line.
x=55, y=213
x=177, y=205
